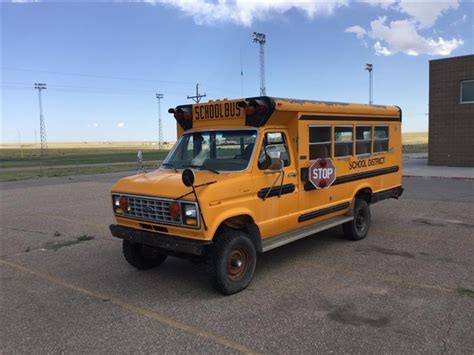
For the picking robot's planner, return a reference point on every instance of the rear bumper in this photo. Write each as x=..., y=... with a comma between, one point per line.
x=165, y=242
x=395, y=192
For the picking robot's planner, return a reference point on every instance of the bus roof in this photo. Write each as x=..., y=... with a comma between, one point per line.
x=288, y=104
x=256, y=111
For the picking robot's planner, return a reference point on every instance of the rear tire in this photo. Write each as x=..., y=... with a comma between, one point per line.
x=358, y=228
x=233, y=262
x=141, y=256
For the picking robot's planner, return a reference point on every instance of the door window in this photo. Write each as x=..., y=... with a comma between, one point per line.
x=273, y=141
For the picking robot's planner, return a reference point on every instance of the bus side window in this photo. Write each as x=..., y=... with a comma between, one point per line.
x=319, y=142
x=343, y=141
x=363, y=140
x=380, y=139
x=277, y=140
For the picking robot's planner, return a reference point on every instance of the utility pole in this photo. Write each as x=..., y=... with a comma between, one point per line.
x=260, y=38
x=44, y=143
x=19, y=142
x=198, y=96
x=160, y=124
x=369, y=68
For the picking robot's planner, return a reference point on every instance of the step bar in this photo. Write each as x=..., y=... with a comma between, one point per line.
x=291, y=236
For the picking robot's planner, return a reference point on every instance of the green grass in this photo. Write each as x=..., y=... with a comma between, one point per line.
x=12, y=175
x=415, y=148
x=70, y=159
x=65, y=159
x=11, y=157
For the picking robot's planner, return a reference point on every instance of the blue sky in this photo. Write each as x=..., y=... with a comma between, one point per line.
x=104, y=62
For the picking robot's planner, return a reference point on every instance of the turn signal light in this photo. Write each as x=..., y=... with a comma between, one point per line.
x=123, y=203
x=175, y=210
x=181, y=114
x=254, y=107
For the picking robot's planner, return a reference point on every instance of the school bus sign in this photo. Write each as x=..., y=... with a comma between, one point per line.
x=322, y=173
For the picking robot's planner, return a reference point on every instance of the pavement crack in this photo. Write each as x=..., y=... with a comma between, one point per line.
x=450, y=322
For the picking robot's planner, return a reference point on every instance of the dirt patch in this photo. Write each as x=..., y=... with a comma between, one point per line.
x=345, y=315
x=58, y=245
x=465, y=292
x=372, y=248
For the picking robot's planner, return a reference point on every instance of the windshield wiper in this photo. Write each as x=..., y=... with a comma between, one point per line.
x=170, y=165
x=201, y=167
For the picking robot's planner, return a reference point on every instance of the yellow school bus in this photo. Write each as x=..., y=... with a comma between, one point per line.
x=250, y=175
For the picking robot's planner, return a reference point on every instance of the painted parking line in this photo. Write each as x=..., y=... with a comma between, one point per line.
x=149, y=313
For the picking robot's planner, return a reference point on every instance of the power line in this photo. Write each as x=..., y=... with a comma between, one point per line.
x=160, y=127
x=96, y=76
x=198, y=96
x=261, y=39
x=44, y=143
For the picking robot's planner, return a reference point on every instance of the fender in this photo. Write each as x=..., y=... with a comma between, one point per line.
x=362, y=186
x=212, y=229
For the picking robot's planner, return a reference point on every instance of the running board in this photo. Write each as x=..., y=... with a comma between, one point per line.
x=291, y=236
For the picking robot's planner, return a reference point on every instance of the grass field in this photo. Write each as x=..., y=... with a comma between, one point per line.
x=62, y=159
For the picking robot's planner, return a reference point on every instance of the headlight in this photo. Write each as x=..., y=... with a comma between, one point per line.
x=190, y=211
x=190, y=215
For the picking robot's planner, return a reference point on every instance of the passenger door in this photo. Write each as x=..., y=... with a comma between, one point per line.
x=315, y=142
x=277, y=192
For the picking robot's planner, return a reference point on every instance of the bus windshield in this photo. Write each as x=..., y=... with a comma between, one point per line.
x=226, y=150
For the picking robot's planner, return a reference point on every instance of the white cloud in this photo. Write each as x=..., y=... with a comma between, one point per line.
x=426, y=12
x=120, y=125
x=381, y=50
x=94, y=125
x=357, y=30
x=402, y=36
x=423, y=12
x=244, y=12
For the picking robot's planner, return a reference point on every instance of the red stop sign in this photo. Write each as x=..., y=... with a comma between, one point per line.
x=322, y=173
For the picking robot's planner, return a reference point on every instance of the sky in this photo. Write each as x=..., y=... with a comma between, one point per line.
x=104, y=62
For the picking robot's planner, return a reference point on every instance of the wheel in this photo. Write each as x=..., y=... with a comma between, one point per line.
x=358, y=228
x=141, y=256
x=233, y=261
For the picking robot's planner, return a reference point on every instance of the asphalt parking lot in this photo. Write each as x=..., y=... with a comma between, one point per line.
x=408, y=287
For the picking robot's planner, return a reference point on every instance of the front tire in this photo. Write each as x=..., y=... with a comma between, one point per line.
x=234, y=261
x=358, y=228
x=141, y=256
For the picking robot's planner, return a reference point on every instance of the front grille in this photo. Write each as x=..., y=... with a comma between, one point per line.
x=150, y=209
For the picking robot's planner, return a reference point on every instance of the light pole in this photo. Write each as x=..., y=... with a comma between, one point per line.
x=369, y=68
x=261, y=39
x=160, y=125
x=44, y=144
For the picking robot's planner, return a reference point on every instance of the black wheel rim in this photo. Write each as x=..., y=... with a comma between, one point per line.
x=237, y=263
x=361, y=221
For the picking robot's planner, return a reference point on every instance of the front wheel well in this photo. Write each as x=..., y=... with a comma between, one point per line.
x=244, y=223
x=364, y=194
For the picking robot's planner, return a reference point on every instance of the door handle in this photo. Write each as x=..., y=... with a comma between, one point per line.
x=292, y=174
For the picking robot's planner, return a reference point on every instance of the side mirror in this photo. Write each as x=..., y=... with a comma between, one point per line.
x=188, y=177
x=276, y=163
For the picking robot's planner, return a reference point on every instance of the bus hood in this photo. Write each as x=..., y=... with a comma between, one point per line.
x=166, y=183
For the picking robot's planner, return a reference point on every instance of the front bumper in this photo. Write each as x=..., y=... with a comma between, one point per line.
x=172, y=244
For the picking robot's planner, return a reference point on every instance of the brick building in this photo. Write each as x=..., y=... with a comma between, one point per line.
x=451, y=112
